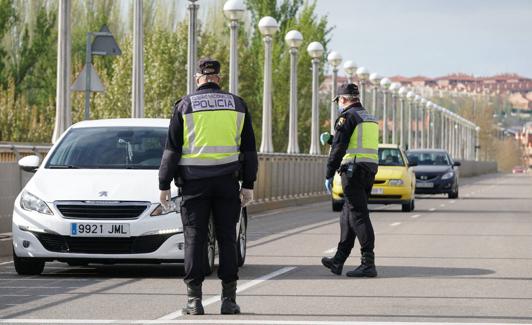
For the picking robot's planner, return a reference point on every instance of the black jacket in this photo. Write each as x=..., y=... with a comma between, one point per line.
x=170, y=169
x=344, y=126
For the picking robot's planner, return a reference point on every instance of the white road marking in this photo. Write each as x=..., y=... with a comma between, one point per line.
x=432, y=209
x=241, y=288
x=442, y=205
x=5, y=263
x=452, y=201
x=329, y=251
x=216, y=321
x=415, y=216
x=395, y=224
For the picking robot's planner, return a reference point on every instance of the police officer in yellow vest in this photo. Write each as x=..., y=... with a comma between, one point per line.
x=354, y=153
x=210, y=144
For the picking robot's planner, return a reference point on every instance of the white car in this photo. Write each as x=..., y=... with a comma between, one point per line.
x=95, y=199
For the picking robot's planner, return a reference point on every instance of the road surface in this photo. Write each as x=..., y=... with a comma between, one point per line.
x=464, y=260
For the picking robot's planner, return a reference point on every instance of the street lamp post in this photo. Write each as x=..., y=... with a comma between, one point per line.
x=350, y=69
x=293, y=39
x=192, y=44
x=402, y=93
x=137, y=92
x=417, y=101
x=411, y=96
x=334, y=59
x=385, y=84
x=315, y=50
x=422, y=107
x=63, y=117
x=234, y=11
x=363, y=75
x=375, y=80
x=394, y=89
x=268, y=27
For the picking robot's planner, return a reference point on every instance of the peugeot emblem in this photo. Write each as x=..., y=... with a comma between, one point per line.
x=102, y=193
x=424, y=177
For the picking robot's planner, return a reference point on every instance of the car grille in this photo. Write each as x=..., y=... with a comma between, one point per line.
x=102, y=245
x=100, y=211
x=427, y=177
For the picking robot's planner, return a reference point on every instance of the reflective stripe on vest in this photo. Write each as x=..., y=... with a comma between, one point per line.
x=364, y=142
x=211, y=131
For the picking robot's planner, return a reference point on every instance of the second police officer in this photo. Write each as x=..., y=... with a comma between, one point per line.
x=354, y=153
x=210, y=142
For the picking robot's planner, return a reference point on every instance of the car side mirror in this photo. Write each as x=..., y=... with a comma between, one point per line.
x=30, y=163
x=457, y=163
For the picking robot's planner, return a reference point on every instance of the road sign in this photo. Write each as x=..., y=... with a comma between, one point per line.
x=95, y=82
x=104, y=43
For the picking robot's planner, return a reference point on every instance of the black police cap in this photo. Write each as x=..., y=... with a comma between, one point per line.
x=208, y=66
x=346, y=89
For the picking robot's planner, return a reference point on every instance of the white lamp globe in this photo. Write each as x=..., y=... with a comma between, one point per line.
x=268, y=26
x=234, y=9
x=315, y=50
x=293, y=39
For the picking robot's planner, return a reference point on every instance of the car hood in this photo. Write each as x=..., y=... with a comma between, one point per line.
x=388, y=172
x=432, y=169
x=95, y=184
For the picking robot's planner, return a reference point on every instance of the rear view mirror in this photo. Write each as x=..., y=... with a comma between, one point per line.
x=457, y=163
x=30, y=163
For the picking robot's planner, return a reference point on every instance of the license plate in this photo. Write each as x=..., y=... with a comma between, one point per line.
x=99, y=230
x=425, y=185
x=377, y=191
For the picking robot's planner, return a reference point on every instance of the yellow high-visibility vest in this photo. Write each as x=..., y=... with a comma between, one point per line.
x=212, y=129
x=364, y=142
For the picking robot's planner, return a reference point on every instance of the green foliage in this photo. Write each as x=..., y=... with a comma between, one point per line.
x=32, y=65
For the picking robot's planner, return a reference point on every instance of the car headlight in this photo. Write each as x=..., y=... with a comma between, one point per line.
x=395, y=182
x=448, y=175
x=30, y=202
x=162, y=210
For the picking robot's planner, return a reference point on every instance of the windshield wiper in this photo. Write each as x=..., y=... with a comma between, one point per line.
x=63, y=167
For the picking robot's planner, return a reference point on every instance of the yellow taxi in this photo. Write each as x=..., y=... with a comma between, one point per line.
x=395, y=181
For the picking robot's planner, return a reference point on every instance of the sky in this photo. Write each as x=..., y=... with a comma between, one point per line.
x=433, y=37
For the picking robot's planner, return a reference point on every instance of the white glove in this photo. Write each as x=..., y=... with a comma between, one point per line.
x=246, y=196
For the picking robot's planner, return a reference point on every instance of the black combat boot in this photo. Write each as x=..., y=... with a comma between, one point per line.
x=194, y=306
x=366, y=268
x=335, y=263
x=229, y=306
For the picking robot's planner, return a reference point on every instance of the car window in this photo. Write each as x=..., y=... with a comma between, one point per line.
x=390, y=157
x=429, y=158
x=110, y=147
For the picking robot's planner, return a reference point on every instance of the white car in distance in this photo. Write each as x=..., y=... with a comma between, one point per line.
x=95, y=199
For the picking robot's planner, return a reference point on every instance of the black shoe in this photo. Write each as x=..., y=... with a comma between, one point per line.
x=330, y=263
x=194, y=306
x=366, y=269
x=229, y=305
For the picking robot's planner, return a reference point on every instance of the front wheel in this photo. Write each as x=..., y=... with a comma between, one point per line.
x=27, y=266
x=242, y=237
x=453, y=194
x=408, y=207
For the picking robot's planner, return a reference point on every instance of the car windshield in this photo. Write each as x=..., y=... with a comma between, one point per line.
x=110, y=147
x=429, y=158
x=390, y=157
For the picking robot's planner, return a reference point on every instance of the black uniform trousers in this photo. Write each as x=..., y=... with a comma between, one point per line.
x=354, y=220
x=219, y=197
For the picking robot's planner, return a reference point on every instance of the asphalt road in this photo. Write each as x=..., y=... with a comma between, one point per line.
x=467, y=260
